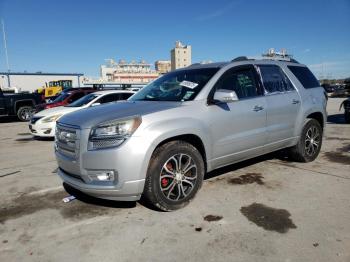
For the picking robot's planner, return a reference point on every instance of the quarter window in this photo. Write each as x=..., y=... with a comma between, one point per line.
x=241, y=81
x=305, y=77
x=274, y=79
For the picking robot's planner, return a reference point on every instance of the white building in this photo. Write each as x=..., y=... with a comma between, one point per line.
x=128, y=72
x=32, y=81
x=181, y=56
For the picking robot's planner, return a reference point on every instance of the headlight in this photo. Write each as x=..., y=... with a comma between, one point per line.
x=51, y=118
x=113, y=133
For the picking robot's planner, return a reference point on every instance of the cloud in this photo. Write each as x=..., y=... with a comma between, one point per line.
x=307, y=50
x=218, y=12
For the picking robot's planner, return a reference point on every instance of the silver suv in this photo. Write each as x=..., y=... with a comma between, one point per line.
x=160, y=143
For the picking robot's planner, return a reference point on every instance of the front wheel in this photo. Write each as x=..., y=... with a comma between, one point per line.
x=24, y=113
x=309, y=144
x=174, y=175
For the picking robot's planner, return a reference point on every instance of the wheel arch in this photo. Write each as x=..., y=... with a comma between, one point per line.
x=19, y=103
x=190, y=138
x=318, y=116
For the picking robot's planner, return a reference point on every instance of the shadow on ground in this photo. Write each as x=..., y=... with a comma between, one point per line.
x=221, y=171
x=336, y=119
x=97, y=201
x=9, y=119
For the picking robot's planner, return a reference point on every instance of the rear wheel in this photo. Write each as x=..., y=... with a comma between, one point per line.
x=309, y=144
x=174, y=175
x=24, y=113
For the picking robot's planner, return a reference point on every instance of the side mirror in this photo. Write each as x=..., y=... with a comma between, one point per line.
x=225, y=96
x=96, y=104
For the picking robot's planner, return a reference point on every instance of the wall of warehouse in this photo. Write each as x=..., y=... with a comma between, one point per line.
x=32, y=82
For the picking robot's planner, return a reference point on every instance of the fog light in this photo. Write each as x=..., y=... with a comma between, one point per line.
x=101, y=175
x=47, y=131
x=106, y=176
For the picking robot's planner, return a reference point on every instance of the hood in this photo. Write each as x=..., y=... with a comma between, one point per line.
x=56, y=110
x=93, y=116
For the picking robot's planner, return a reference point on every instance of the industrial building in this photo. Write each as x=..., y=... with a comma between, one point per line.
x=29, y=82
x=181, y=56
x=128, y=72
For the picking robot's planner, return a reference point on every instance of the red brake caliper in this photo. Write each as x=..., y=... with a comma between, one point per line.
x=165, y=181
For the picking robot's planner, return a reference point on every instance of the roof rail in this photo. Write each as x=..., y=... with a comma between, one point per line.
x=241, y=58
x=275, y=58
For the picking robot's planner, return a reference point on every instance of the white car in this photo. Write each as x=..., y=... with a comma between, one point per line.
x=43, y=123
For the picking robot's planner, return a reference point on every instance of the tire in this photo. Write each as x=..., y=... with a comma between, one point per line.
x=309, y=144
x=24, y=113
x=165, y=187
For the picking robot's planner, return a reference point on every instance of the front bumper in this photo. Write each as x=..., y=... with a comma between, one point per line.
x=129, y=191
x=129, y=162
x=42, y=129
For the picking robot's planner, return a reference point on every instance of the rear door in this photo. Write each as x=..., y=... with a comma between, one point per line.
x=239, y=128
x=283, y=108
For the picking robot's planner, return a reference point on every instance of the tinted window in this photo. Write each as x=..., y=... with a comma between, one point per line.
x=83, y=101
x=274, y=79
x=109, y=98
x=304, y=75
x=125, y=96
x=241, y=81
x=75, y=97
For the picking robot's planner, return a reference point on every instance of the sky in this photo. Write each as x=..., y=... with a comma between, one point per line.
x=77, y=36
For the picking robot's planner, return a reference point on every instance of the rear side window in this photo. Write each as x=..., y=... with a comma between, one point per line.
x=305, y=77
x=274, y=79
x=125, y=96
x=110, y=98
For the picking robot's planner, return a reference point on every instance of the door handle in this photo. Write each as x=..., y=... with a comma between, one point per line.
x=295, y=101
x=257, y=108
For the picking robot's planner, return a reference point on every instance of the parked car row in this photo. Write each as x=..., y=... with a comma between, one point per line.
x=43, y=123
x=159, y=143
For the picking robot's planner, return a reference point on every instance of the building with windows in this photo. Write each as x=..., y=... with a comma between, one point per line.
x=128, y=72
x=29, y=82
x=162, y=66
x=181, y=56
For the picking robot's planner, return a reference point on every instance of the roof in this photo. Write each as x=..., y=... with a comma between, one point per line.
x=242, y=59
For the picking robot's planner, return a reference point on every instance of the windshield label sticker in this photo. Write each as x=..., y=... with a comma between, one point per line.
x=188, y=84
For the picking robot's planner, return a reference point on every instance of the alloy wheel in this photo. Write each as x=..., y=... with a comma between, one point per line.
x=312, y=140
x=178, y=177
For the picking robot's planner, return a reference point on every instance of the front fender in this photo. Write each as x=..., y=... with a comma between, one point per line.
x=163, y=130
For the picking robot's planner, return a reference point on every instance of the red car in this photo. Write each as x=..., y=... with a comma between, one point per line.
x=65, y=98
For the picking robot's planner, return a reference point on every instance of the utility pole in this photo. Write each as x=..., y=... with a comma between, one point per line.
x=5, y=45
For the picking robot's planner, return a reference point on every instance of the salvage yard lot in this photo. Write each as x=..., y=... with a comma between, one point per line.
x=265, y=209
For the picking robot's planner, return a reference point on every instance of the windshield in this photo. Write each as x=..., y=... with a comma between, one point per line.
x=183, y=85
x=83, y=101
x=61, y=97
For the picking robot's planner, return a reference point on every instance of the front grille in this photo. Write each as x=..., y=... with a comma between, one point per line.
x=105, y=143
x=67, y=140
x=34, y=119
